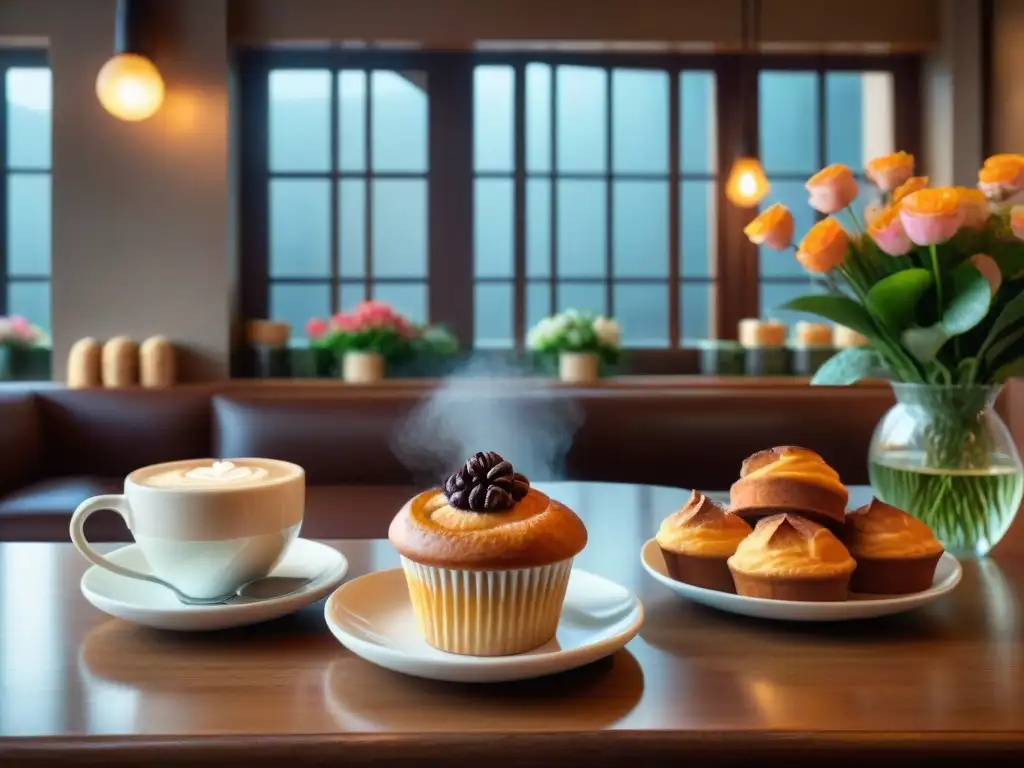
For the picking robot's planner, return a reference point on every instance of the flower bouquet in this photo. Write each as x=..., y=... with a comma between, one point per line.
x=932, y=277
x=17, y=335
x=581, y=341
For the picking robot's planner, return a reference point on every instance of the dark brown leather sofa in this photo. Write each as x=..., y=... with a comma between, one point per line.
x=59, y=446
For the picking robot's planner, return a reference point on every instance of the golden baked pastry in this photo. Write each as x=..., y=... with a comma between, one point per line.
x=697, y=539
x=789, y=479
x=518, y=544
x=788, y=557
x=895, y=552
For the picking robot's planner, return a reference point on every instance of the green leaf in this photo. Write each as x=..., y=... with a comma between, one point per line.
x=966, y=370
x=848, y=366
x=838, y=309
x=1004, y=344
x=970, y=301
x=1011, y=370
x=1012, y=313
x=924, y=343
x=1010, y=258
x=893, y=299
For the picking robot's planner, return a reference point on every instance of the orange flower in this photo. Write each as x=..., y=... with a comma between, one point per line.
x=886, y=230
x=1001, y=176
x=931, y=216
x=889, y=171
x=909, y=187
x=974, y=205
x=824, y=247
x=773, y=228
x=832, y=188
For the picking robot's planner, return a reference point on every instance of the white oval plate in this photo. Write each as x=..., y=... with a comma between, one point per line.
x=947, y=576
x=372, y=617
x=151, y=605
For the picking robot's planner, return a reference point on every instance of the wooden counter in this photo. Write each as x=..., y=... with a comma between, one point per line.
x=943, y=684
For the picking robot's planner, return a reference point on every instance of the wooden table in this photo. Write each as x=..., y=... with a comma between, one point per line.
x=695, y=685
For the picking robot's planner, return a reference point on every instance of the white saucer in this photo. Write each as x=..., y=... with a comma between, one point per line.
x=372, y=616
x=947, y=576
x=154, y=606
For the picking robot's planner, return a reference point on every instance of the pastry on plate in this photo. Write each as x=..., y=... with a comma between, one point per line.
x=487, y=559
x=788, y=557
x=789, y=479
x=697, y=540
x=896, y=553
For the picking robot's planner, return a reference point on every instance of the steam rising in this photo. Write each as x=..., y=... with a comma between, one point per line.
x=489, y=406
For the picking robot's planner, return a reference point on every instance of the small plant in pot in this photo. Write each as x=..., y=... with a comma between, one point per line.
x=363, y=341
x=17, y=337
x=581, y=341
x=934, y=279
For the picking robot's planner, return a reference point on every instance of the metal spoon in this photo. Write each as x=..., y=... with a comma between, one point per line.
x=263, y=588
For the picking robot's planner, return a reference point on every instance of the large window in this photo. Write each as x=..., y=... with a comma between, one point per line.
x=25, y=99
x=486, y=191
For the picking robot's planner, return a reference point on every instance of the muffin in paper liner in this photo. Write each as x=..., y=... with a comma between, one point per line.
x=487, y=612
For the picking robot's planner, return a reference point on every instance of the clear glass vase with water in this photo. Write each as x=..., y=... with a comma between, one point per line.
x=944, y=455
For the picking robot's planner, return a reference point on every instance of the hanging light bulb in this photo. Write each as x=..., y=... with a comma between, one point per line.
x=129, y=85
x=747, y=184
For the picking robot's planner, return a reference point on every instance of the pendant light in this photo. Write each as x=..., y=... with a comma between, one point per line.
x=129, y=85
x=747, y=185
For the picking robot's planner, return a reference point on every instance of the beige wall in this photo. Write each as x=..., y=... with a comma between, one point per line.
x=1007, y=70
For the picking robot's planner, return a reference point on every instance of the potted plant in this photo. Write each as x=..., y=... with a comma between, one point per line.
x=934, y=280
x=364, y=340
x=17, y=337
x=580, y=340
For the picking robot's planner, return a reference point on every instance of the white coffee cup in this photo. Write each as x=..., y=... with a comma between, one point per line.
x=206, y=527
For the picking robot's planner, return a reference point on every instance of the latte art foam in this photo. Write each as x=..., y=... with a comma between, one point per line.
x=216, y=474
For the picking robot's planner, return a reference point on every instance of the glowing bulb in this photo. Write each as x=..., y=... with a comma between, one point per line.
x=129, y=87
x=747, y=185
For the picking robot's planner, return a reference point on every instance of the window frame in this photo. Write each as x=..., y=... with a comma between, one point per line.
x=10, y=59
x=451, y=174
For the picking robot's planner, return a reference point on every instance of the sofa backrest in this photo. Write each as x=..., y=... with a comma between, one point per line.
x=20, y=439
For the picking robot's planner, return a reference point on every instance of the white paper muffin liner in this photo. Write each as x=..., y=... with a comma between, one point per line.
x=487, y=613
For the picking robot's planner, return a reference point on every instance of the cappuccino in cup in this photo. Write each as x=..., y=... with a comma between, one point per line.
x=205, y=526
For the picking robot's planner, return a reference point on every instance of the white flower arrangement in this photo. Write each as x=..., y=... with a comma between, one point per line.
x=574, y=331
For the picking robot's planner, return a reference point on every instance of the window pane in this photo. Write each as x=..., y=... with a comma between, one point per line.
x=399, y=121
x=300, y=123
x=586, y=297
x=492, y=313
x=492, y=227
x=296, y=304
x=31, y=301
x=640, y=228
x=408, y=298
x=581, y=119
x=642, y=312
x=350, y=294
x=783, y=263
x=789, y=122
x=400, y=228
x=352, y=227
x=640, y=121
x=538, y=303
x=698, y=227
x=538, y=117
x=581, y=228
x=698, y=148
x=28, y=224
x=698, y=302
x=538, y=228
x=775, y=294
x=352, y=120
x=300, y=211
x=844, y=119
x=29, y=114
x=493, y=118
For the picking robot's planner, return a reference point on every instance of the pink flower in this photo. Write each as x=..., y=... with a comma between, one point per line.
x=317, y=328
x=989, y=270
x=832, y=189
x=931, y=216
x=345, y=322
x=886, y=229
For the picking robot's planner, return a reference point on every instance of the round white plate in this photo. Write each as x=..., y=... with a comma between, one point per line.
x=154, y=606
x=947, y=576
x=372, y=617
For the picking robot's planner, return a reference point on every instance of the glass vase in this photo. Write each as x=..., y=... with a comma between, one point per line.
x=944, y=455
